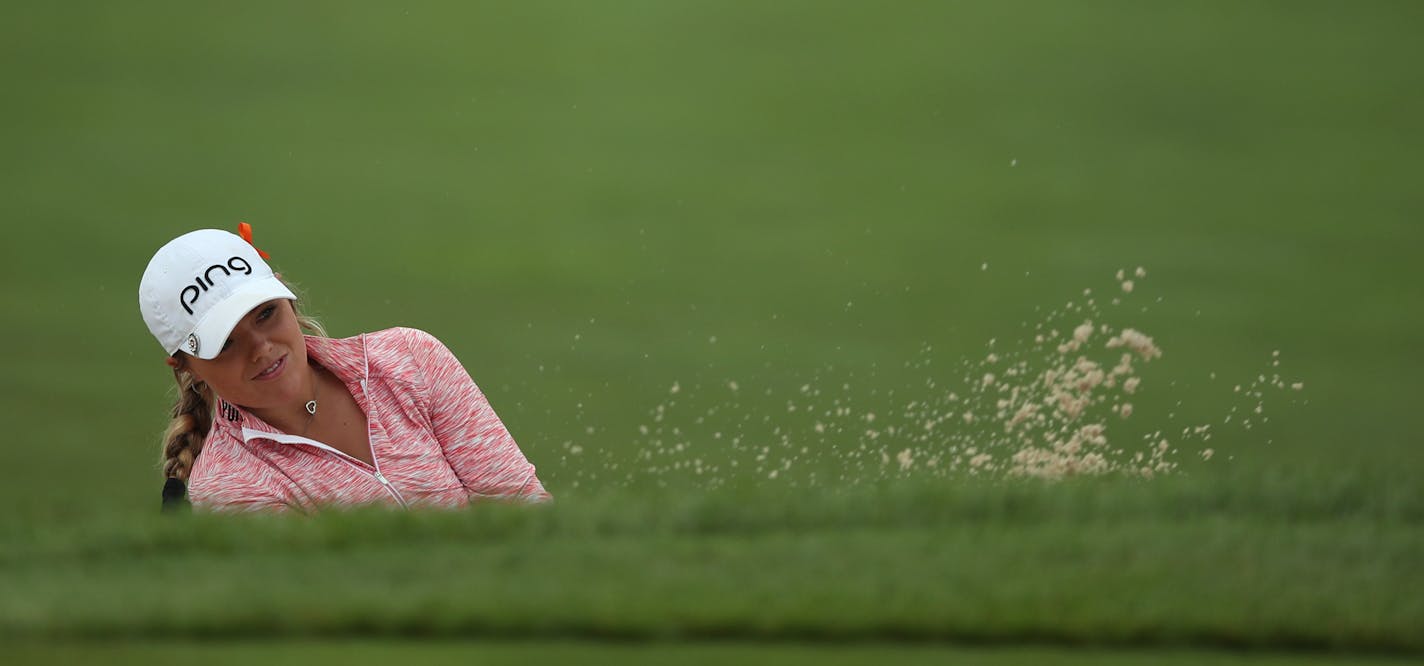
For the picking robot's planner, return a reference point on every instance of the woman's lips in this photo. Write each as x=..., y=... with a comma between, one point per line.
x=273, y=371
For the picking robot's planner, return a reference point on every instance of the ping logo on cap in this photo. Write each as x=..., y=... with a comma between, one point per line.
x=204, y=281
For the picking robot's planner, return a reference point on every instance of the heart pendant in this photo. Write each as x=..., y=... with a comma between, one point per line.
x=311, y=407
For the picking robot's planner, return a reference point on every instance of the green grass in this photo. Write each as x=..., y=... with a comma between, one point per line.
x=1094, y=564
x=505, y=652
x=578, y=198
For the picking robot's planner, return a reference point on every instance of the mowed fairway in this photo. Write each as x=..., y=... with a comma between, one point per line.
x=672, y=242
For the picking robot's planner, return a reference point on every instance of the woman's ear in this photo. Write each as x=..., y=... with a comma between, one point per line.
x=172, y=362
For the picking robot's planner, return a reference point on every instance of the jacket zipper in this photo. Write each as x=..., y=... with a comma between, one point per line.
x=390, y=487
x=377, y=475
x=352, y=461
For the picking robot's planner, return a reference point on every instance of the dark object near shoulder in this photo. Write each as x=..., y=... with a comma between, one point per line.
x=175, y=496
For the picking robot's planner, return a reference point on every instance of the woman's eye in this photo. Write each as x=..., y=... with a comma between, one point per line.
x=266, y=312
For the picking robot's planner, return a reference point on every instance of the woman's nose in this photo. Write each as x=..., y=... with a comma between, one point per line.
x=258, y=345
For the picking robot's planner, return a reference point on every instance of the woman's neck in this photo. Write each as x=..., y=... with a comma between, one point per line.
x=296, y=418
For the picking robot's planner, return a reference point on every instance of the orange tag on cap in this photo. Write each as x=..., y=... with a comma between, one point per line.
x=245, y=230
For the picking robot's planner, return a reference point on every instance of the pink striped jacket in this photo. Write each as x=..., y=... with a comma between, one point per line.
x=434, y=438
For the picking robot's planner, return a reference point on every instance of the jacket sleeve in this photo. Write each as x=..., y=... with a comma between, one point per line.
x=217, y=495
x=220, y=488
x=475, y=442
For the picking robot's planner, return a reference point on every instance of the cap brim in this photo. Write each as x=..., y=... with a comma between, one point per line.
x=212, y=331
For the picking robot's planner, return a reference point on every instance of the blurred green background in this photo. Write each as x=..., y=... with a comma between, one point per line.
x=592, y=202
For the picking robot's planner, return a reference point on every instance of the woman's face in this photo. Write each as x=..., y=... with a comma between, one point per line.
x=263, y=364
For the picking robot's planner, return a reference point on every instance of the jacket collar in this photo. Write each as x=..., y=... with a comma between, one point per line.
x=344, y=357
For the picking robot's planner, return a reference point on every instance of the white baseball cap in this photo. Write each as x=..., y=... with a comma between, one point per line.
x=198, y=286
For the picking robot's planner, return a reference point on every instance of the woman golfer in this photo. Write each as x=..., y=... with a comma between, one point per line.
x=270, y=419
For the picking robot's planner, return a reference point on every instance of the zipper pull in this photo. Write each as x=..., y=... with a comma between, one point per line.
x=390, y=488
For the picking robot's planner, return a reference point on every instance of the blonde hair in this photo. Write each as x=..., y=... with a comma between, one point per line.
x=193, y=413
